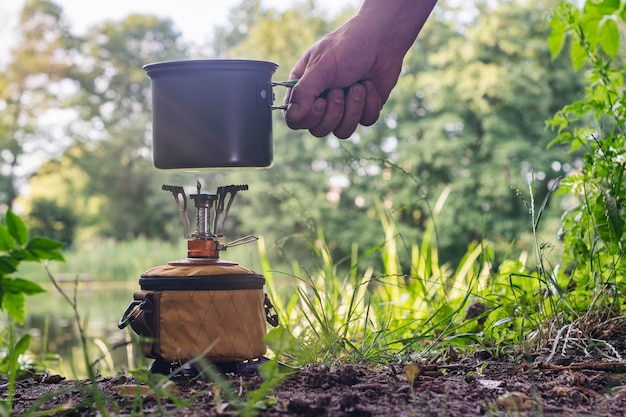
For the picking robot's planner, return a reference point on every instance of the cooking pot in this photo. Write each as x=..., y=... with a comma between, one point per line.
x=212, y=113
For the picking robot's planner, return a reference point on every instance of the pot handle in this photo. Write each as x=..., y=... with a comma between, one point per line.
x=287, y=84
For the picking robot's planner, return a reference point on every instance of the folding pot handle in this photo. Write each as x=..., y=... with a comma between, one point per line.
x=287, y=84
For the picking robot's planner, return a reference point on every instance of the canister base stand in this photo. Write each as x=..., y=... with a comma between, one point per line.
x=160, y=366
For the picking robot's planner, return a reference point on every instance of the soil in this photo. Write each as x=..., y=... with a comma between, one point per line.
x=548, y=385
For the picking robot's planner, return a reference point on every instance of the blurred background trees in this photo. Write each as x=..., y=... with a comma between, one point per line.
x=465, y=127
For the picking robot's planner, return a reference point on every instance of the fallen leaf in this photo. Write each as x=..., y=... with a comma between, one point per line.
x=575, y=378
x=589, y=392
x=562, y=391
x=515, y=400
x=450, y=355
x=133, y=390
x=490, y=383
x=411, y=371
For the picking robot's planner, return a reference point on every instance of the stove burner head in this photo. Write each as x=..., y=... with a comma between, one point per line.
x=202, y=243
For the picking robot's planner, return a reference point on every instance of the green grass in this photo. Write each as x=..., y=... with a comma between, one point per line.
x=393, y=315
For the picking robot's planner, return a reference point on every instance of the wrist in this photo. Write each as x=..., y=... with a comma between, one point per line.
x=395, y=22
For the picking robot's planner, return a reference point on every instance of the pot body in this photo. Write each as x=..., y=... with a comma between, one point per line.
x=212, y=113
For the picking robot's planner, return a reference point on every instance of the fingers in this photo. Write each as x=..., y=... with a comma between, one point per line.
x=306, y=119
x=352, y=111
x=333, y=113
x=373, y=104
x=304, y=105
x=301, y=114
x=339, y=111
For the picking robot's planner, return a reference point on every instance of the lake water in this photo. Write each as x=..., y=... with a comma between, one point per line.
x=51, y=322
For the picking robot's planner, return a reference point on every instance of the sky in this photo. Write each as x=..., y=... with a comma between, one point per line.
x=195, y=19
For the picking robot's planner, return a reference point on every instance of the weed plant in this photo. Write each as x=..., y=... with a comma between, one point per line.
x=593, y=277
x=395, y=315
x=16, y=247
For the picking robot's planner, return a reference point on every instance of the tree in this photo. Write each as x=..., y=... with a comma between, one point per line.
x=111, y=135
x=48, y=219
x=31, y=86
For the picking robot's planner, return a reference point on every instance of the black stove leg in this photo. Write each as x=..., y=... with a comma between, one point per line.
x=160, y=366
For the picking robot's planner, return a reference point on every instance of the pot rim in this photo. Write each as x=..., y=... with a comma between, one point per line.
x=210, y=64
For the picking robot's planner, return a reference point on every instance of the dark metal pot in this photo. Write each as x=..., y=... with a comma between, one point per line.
x=212, y=113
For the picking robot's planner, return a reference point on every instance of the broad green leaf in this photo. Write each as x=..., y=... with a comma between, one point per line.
x=606, y=7
x=612, y=213
x=576, y=144
x=577, y=55
x=557, y=37
x=280, y=340
x=20, y=285
x=44, y=248
x=21, y=346
x=591, y=28
x=24, y=255
x=7, y=242
x=17, y=228
x=602, y=224
x=14, y=304
x=43, y=244
x=565, y=137
x=595, y=10
x=609, y=37
x=7, y=265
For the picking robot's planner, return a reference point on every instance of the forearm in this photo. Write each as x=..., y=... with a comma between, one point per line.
x=396, y=22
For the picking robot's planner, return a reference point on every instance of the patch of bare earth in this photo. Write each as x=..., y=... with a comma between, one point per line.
x=565, y=386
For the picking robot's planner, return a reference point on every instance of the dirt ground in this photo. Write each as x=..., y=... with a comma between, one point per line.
x=539, y=385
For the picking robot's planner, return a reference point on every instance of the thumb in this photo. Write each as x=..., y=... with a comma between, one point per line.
x=311, y=84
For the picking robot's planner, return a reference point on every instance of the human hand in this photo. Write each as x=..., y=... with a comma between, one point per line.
x=344, y=80
x=346, y=77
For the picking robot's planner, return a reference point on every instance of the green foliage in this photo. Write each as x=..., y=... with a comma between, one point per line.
x=48, y=219
x=11, y=353
x=593, y=229
x=386, y=316
x=469, y=116
x=101, y=172
x=16, y=247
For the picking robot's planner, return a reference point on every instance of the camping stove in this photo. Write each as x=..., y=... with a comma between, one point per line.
x=203, y=246
x=202, y=309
